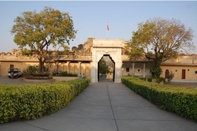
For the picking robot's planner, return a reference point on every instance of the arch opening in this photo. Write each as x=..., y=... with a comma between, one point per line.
x=106, y=69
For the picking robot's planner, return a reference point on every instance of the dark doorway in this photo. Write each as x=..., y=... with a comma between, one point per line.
x=106, y=69
x=183, y=73
x=166, y=73
x=11, y=66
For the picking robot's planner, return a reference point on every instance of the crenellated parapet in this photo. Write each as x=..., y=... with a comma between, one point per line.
x=16, y=56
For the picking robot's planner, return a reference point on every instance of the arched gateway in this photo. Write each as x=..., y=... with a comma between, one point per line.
x=113, y=48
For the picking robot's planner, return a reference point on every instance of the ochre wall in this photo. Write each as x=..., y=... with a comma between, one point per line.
x=74, y=67
x=177, y=70
x=85, y=68
x=138, y=69
x=5, y=66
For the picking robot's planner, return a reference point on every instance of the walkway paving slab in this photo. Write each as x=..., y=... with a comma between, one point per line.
x=106, y=106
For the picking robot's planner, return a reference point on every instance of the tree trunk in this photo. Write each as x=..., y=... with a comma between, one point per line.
x=41, y=65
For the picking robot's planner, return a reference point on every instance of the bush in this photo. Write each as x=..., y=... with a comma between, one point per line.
x=143, y=79
x=170, y=76
x=63, y=73
x=160, y=79
x=175, y=99
x=150, y=79
x=33, y=71
x=156, y=72
x=33, y=101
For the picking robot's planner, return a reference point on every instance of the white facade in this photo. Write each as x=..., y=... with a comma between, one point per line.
x=101, y=47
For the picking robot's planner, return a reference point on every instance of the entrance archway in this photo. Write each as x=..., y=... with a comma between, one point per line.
x=112, y=48
x=106, y=69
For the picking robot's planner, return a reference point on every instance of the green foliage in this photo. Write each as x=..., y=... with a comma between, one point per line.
x=170, y=76
x=103, y=68
x=133, y=50
x=64, y=73
x=36, y=100
x=159, y=40
x=175, y=99
x=34, y=71
x=27, y=52
x=160, y=79
x=143, y=79
x=156, y=72
x=149, y=79
x=38, y=31
x=30, y=70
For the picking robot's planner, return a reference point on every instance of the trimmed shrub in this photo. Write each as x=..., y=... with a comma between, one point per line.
x=36, y=100
x=160, y=79
x=144, y=79
x=182, y=101
x=150, y=79
x=33, y=71
x=64, y=73
x=170, y=76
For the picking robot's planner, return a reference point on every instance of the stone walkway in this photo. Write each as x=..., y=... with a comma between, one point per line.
x=106, y=106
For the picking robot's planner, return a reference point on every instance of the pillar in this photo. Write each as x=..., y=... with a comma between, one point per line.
x=68, y=66
x=144, y=69
x=133, y=69
x=79, y=67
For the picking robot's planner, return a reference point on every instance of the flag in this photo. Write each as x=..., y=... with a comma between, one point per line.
x=107, y=26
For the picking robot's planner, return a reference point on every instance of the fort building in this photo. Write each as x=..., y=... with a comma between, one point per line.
x=85, y=59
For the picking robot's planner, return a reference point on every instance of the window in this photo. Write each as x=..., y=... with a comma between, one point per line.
x=138, y=70
x=195, y=72
x=127, y=69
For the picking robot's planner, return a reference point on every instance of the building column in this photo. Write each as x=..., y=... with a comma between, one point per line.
x=144, y=69
x=57, y=67
x=133, y=69
x=79, y=67
x=68, y=66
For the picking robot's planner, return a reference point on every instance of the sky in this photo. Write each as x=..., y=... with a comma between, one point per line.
x=91, y=17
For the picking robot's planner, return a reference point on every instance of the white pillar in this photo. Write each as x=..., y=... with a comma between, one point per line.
x=144, y=69
x=133, y=69
x=79, y=67
x=57, y=66
x=68, y=66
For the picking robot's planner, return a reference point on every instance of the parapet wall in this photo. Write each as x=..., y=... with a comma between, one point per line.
x=108, y=43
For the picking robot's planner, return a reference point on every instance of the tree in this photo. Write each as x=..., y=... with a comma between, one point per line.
x=103, y=68
x=39, y=31
x=110, y=64
x=159, y=40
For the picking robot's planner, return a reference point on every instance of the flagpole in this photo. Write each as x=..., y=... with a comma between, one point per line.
x=107, y=30
x=107, y=34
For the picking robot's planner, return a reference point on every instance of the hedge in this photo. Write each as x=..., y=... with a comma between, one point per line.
x=180, y=100
x=32, y=101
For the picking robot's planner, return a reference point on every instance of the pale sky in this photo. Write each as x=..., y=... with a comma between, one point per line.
x=90, y=18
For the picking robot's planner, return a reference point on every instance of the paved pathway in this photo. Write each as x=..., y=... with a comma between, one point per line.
x=106, y=106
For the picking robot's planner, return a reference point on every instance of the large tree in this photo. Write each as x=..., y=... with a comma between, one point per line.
x=159, y=40
x=39, y=31
x=103, y=67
